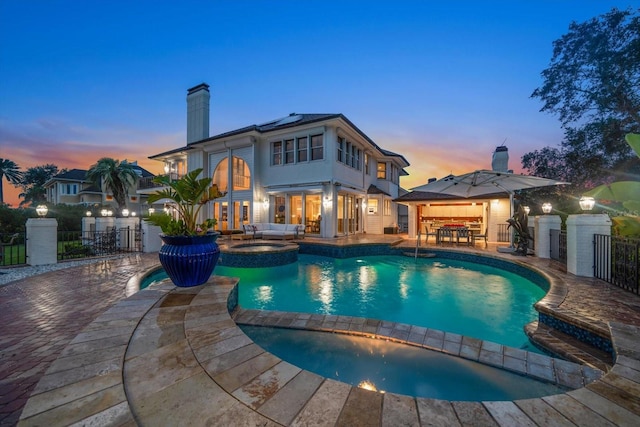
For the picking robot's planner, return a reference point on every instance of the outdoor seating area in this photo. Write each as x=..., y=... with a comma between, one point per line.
x=466, y=233
x=272, y=231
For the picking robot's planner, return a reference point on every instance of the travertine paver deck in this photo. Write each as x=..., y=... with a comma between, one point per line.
x=186, y=354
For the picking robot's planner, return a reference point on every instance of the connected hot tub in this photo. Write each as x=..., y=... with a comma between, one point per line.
x=258, y=254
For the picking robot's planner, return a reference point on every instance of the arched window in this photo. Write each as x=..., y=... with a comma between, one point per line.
x=241, y=174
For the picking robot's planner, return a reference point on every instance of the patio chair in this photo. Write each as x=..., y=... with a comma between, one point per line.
x=482, y=236
x=463, y=234
x=445, y=232
x=428, y=233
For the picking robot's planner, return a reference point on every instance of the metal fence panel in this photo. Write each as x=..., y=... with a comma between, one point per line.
x=558, y=248
x=12, y=249
x=114, y=241
x=602, y=257
x=617, y=260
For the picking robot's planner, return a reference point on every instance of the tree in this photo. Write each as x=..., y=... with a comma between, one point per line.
x=32, y=183
x=593, y=85
x=114, y=176
x=11, y=171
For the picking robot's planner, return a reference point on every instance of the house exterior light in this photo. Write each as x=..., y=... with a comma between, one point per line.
x=151, y=211
x=125, y=212
x=527, y=209
x=103, y=212
x=546, y=208
x=587, y=203
x=42, y=210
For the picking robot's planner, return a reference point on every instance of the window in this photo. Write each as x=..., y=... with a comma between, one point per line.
x=68, y=189
x=276, y=153
x=289, y=151
x=382, y=170
x=317, y=151
x=303, y=148
x=347, y=157
x=241, y=175
x=366, y=163
x=372, y=207
x=354, y=157
x=387, y=207
x=340, y=154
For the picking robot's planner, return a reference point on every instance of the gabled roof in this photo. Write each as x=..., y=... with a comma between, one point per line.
x=80, y=175
x=292, y=120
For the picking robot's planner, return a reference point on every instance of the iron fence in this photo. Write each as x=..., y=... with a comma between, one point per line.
x=558, y=242
x=77, y=244
x=617, y=260
x=12, y=249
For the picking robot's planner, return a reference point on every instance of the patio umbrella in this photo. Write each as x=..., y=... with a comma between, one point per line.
x=483, y=182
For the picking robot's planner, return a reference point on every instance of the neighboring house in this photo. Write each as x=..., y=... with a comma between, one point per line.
x=73, y=188
x=319, y=170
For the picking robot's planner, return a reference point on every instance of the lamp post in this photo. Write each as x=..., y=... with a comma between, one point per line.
x=42, y=210
x=587, y=203
x=546, y=208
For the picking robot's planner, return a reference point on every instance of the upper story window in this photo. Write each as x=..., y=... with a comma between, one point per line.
x=297, y=150
x=349, y=154
x=68, y=189
x=317, y=149
x=276, y=153
x=241, y=175
x=366, y=163
x=289, y=151
x=303, y=149
x=382, y=170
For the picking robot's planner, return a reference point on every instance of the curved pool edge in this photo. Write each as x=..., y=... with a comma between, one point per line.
x=214, y=361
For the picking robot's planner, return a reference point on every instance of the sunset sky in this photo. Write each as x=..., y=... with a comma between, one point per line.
x=440, y=82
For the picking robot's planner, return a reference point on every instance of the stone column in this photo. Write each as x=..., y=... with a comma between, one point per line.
x=150, y=237
x=42, y=241
x=580, y=231
x=104, y=223
x=543, y=225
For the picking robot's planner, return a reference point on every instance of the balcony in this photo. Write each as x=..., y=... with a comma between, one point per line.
x=148, y=184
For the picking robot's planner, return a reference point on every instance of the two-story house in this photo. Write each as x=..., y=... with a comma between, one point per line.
x=72, y=187
x=319, y=170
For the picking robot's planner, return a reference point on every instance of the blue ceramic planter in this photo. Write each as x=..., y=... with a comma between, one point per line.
x=189, y=260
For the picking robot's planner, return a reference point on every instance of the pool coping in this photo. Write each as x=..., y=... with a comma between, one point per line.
x=175, y=355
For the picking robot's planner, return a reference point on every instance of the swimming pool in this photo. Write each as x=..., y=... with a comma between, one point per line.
x=385, y=366
x=450, y=295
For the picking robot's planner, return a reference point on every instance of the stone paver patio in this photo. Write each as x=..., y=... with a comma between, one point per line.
x=162, y=355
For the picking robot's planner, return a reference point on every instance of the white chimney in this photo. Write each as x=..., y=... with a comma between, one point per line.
x=500, y=159
x=198, y=113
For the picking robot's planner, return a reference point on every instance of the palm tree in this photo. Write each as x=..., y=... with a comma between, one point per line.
x=116, y=176
x=11, y=171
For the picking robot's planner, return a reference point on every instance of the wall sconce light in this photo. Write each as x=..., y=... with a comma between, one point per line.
x=125, y=212
x=546, y=208
x=327, y=201
x=104, y=212
x=495, y=202
x=265, y=203
x=587, y=203
x=527, y=209
x=88, y=213
x=42, y=210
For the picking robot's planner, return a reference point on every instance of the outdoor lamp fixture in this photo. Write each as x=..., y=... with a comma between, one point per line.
x=546, y=208
x=265, y=203
x=133, y=214
x=103, y=212
x=109, y=212
x=42, y=210
x=125, y=212
x=587, y=203
x=88, y=213
x=527, y=209
x=151, y=211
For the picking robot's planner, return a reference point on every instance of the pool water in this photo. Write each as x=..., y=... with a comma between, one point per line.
x=449, y=295
x=391, y=367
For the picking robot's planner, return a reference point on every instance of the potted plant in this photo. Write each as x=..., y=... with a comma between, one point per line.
x=190, y=251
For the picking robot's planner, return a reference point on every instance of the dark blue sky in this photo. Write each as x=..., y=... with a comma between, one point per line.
x=442, y=83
